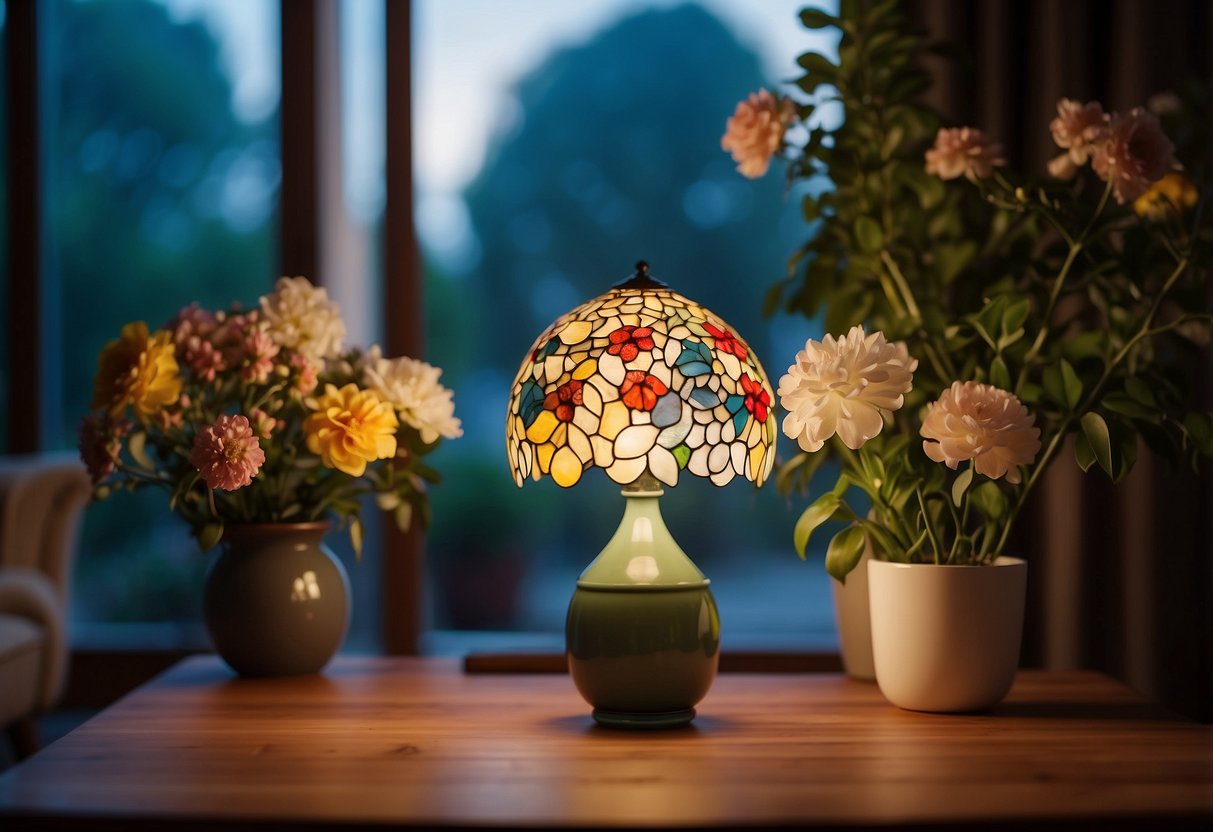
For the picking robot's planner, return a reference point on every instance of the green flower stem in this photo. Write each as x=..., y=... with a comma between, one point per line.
x=926, y=522
x=1043, y=463
x=1059, y=282
x=902, y=286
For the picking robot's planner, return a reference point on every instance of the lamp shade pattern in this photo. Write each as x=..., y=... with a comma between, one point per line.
x=636, y=380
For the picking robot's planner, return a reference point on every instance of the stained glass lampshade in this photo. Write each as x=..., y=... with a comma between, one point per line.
x=648, y=386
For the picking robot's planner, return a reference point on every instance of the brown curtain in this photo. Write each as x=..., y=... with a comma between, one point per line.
x=1121, y=576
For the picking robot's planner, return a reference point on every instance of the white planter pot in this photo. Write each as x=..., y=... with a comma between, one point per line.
x=854, y=621
x=946, y=638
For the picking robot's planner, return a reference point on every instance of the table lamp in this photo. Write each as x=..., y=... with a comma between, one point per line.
x=646, y=385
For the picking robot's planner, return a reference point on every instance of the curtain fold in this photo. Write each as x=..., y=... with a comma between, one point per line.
x=1120, y=575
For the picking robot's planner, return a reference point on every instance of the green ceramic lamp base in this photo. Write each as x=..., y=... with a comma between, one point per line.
x=628, y=719
x=643, y=632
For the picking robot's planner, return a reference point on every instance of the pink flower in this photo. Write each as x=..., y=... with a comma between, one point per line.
x=259, y=352
x=305, y=380
x=263, y=423
x=192, y=321
x=963, y=151
x=1076, y=129
x=755, y=131
x=1133, y=154
x=982, y=423
x=227, y=453
x=202, y=358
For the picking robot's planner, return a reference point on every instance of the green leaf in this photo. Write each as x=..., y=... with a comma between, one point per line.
x=844, y=551
x=1071, y=384
x=209, y=536
x=1000, y=376
x=1141, y=391
x=403, y=515
x=961, y=485
x=137, y=445
x=817, y=19
x=868, y=235
x=1095, y=429
x=1015, y=314
x=989, y=500
x=1128, y=406
x=356, y=537
x=817, y=513
x=1083, y=454
x=819, y=66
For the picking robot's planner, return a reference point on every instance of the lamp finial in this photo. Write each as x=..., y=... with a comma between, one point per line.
x=641, y=279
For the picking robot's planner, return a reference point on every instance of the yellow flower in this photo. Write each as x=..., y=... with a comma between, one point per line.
x=349, y=428
x=138, y=371
x=1171, y=195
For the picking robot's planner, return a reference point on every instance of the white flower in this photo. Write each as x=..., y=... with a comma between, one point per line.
x=302, y=318
x=412, y=387
x=983, y=423
x=841, y=386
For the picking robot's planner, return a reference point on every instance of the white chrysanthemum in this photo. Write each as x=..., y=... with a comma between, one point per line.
x=412, y=387
x=841, y=386
x=302, y=318
x=983, y=423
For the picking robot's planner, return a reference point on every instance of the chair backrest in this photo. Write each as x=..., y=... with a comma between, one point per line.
x=42, y=497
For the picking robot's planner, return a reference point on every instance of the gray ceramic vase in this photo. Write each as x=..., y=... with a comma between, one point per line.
x=276, y=601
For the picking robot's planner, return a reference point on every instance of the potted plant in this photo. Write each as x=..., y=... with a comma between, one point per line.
x=263, y=428
x=1007, y=320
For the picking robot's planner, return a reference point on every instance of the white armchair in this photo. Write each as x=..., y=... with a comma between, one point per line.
x=41, y=501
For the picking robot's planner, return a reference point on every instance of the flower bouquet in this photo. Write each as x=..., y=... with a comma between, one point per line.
x=263, y=416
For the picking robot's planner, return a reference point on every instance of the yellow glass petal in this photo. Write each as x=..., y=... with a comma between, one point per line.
x=544, y=453
x=543, y=426
x=615, y=418
x=576, y=332
x=756, y=459
x=585, y=369
x=566, y=467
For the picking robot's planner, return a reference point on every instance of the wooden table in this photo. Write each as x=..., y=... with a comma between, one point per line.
x=417, y=742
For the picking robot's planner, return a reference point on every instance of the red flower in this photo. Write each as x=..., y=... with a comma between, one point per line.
x=757, y=400
x=628, y=341
x=641, y=390
x=727, y=342
x=565, y=400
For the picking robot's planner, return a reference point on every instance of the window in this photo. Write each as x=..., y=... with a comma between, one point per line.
x=161, y=166
x=553, y=149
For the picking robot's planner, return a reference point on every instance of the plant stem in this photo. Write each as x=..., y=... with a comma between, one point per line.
x=1143, y=332
x=926, y=522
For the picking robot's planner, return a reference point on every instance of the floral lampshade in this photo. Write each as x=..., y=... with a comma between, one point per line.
x=641, y=379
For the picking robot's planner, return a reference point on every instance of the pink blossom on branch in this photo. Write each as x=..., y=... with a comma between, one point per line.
x=1076, y=129
x=1133, y=154
x=755, y=131
x=227, y=454
x=963, y=151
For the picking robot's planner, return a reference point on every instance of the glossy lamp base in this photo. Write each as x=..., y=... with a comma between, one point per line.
x=643, y=631
x=628, y=719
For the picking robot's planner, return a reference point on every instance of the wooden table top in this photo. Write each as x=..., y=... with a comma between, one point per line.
x=417, y=742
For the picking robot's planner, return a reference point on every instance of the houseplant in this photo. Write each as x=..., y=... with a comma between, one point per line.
x=1009, y=318
x=263, y=429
